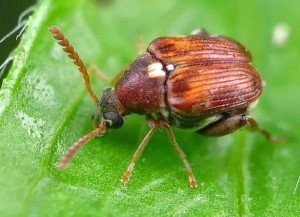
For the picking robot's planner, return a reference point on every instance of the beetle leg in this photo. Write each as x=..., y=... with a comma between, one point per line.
x=201, y=33
x=140, y=149
x=224, y=126
x=103, y=77
x=255, y=127
x=113, y=80
x=100, y=75
x=140, y=45
x=180, y=154
x=233, y=123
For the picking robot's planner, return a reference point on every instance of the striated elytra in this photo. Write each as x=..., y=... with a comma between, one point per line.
x=198, y=82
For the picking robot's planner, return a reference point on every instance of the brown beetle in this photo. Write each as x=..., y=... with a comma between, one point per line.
x=198, y=82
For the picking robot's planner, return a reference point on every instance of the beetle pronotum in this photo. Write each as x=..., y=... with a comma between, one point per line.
x=198, y=82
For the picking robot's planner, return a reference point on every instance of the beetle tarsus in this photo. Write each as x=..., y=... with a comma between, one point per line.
x=193, y=181
x=255, y=127
x=127, y=175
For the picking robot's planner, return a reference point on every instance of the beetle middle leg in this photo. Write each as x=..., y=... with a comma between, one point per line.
x=181, y=155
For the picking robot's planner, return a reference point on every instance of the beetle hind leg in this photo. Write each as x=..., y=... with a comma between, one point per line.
x=230, y=124
x=255, y=127
x=224, y=126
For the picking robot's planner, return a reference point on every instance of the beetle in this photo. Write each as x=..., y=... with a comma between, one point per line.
x=197, y=82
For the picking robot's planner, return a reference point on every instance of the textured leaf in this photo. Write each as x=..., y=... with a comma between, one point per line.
x=44, y=109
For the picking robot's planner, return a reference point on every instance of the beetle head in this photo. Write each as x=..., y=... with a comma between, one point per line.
x=110, y=110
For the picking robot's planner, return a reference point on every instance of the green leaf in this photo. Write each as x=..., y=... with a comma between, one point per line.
x=45, y=108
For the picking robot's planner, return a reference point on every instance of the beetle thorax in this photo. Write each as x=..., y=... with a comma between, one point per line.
x=141, y=90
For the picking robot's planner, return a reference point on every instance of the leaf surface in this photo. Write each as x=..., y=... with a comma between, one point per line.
x=44, y=109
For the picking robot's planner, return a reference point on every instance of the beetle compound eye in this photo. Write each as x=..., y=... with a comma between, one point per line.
x=113, y=119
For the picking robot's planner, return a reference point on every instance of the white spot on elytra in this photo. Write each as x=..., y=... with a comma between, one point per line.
x=280, y=34
x=175, y=100
x=156, y=70
x=32, y=125
x=170, y=67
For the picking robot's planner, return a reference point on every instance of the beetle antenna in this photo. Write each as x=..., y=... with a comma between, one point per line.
x=68, y=48
x=75, y=148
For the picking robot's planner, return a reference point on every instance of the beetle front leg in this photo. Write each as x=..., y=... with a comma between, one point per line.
x=154, y=125
x=140, y=45
x=113, y=80
x=103, y=77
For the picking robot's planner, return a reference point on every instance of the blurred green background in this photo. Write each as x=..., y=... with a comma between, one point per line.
x=44, y=108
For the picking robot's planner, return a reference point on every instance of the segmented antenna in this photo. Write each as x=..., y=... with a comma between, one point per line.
x=75, y=148
x=68, y=48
